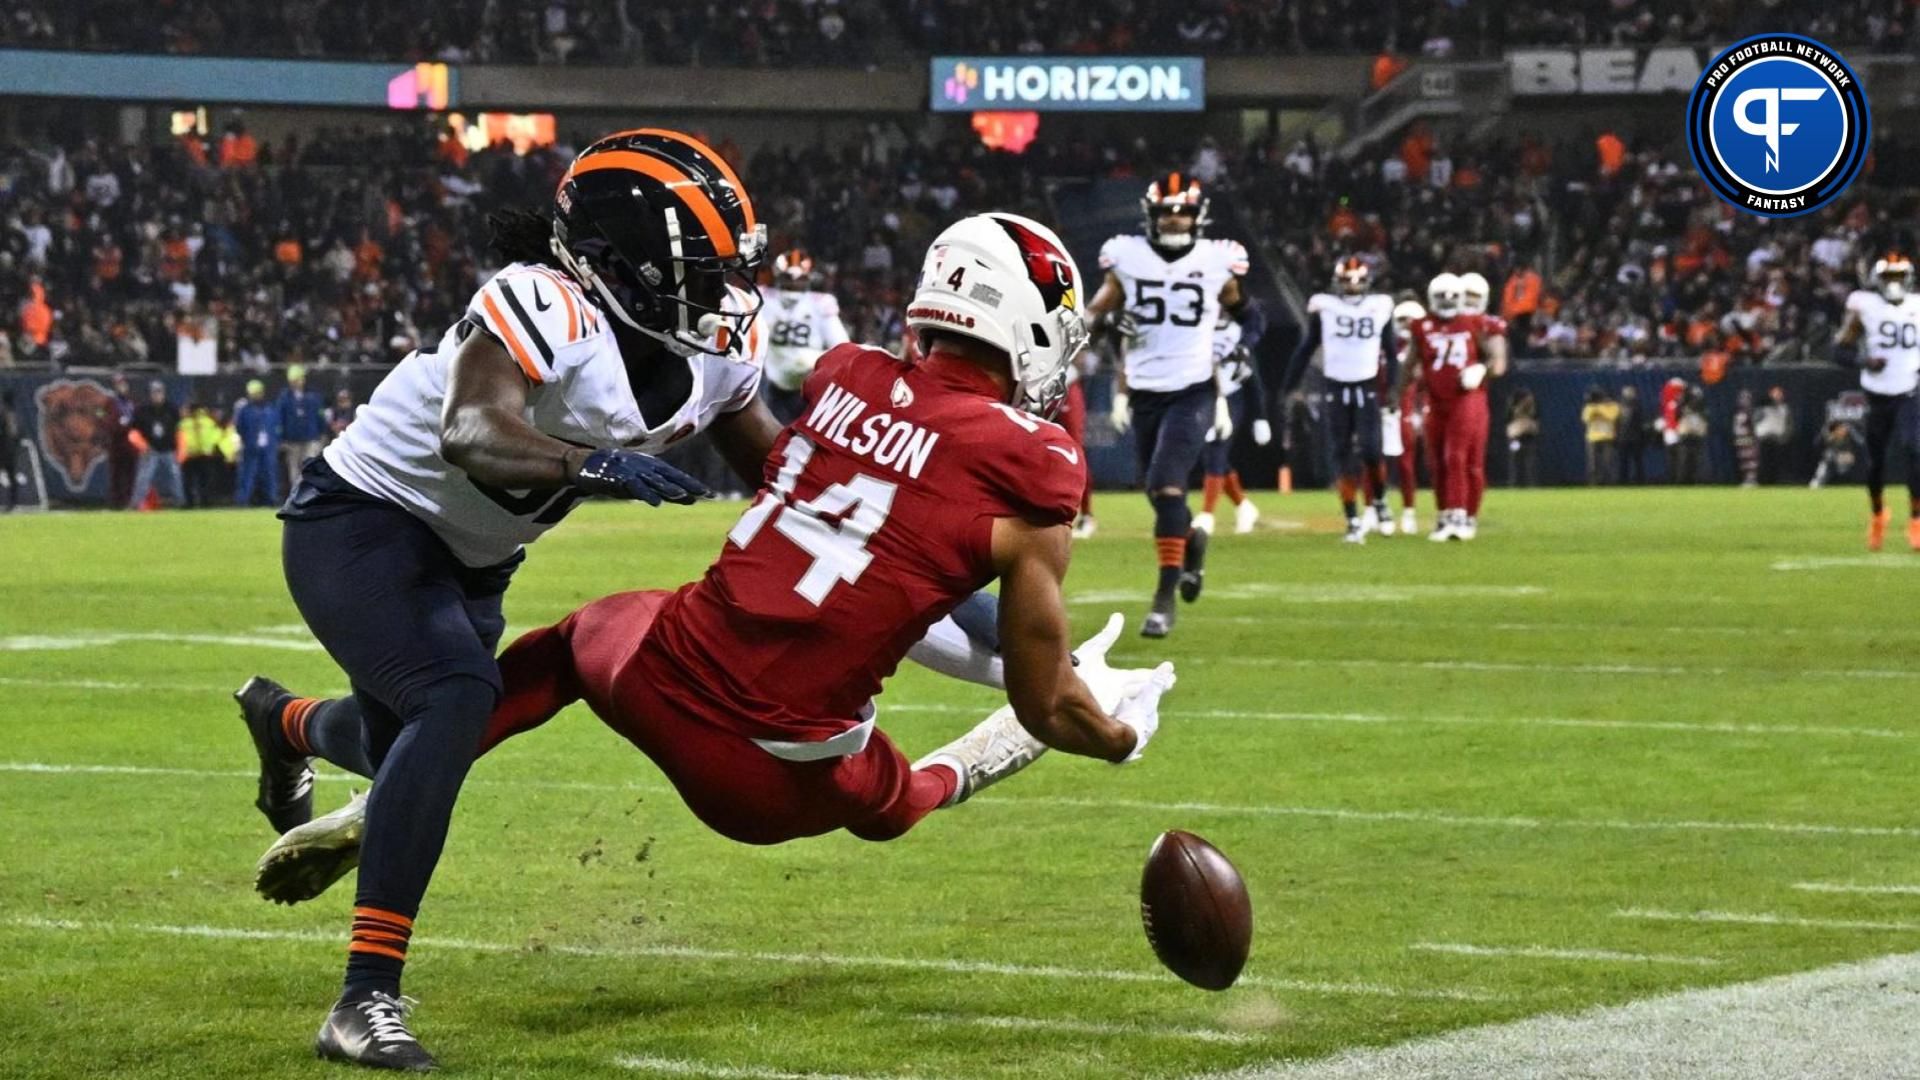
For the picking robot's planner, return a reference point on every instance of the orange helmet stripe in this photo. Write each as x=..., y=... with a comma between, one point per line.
x=726, y=170
x=679, y=183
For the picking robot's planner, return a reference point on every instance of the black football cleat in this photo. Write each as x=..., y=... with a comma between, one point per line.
x=1160, y=620
x=372, y=1031
x=1193, y=571
x=286, y=783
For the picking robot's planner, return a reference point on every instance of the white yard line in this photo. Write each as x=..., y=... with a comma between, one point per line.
x=1763, y=918
x=109, y=638
x=1486, y=666
x=1682, y=726
x=1332, y=813
x=666, y=1066
x=737, y=956
x=1320, y=592
x=1082, y=1027
x=1838, y=1023
x=1850, y=887
x=1888, y=561
x=1541, y=952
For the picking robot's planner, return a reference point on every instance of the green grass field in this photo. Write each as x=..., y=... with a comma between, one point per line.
x=1569, y=745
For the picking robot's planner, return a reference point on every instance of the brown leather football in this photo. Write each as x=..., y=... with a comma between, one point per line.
x=1196, y=911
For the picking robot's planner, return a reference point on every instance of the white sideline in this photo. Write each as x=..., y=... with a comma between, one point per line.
x=845, y=960
x=1763, y=918
x=1084, y=1027
x=685, y=1067
x=1850, y=887
x=1541, y=952
x=1332, y=813
x=1847, y=1022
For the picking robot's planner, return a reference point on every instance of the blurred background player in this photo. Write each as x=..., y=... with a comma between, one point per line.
x=800, y=325
x=1457, y=355
x=1353, y=329
x=1400, y=418
x=1887, y=316
x=1241, y=396
x=1161, y=296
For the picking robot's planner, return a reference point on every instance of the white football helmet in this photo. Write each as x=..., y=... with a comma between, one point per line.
x=1008, y=281
x=1444, y=295
x=1893, y=276
x=1405, y=314
x=1473, y=293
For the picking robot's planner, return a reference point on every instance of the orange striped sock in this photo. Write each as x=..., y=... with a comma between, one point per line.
x=1173, y=550
x=1234, y=491
x=293, y=723
x=380, y=932
x=1210, y=493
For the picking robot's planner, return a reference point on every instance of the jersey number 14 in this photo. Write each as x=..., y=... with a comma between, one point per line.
x=834, y=526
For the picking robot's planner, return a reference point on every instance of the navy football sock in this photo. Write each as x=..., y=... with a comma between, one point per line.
x=336, y=732
x=408, y=813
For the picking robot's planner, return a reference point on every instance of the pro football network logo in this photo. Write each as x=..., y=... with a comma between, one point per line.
x=1778, y=125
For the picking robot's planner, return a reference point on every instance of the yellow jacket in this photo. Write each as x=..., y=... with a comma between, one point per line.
x=201, y=435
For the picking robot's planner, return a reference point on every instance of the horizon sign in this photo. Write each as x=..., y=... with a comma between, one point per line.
x=1068, y=83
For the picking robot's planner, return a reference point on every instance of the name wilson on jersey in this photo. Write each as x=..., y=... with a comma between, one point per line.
x=899, y=445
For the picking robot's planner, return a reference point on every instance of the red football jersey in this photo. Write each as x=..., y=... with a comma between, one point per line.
x=875, y=521
x=1445, y=347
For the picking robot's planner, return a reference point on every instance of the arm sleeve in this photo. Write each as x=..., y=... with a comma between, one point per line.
x=948, y=650
x=1253, y=321
x=1256, y=391
x=1390, y=358
x=1302, y=356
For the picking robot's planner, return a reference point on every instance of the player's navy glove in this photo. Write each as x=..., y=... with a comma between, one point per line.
x=630, y=474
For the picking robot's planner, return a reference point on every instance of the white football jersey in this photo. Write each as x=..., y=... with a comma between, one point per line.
x=1351, y=329
x=1891, y=333
x=579, y=394
x=800, y=326
x=1233, y=373
x=1175, y=303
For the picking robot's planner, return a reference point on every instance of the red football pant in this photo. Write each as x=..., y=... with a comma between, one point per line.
x=1073, y=417
x=1409, y=460
x=737, y=789
x=1457, y=451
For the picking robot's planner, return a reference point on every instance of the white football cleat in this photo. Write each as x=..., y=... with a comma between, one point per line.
x=1084, y=526
x=1245, y=517
x=1385, y=517
x=1466, y=528
x=1369, y=520
x=995, y=749
x=1203, y=522
x=1409, y=521
x=1356, y=531
x=309, y=858
x=1442, y=527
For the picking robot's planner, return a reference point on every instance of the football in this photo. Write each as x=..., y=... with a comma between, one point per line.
x=1194, y=906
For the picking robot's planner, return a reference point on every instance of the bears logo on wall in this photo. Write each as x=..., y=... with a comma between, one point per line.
x=76, y=427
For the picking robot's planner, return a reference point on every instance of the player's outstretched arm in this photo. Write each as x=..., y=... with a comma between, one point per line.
x=1048, y=698
x=744, y=438
x=484, y=432
x=1494, y=348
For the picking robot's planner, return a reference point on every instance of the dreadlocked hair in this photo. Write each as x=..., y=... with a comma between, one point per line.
x=522, y=236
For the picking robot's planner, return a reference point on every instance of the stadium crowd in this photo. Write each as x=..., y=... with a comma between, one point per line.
x=352, y=245
x=783, y=32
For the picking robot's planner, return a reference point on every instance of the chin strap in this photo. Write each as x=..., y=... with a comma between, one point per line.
x=682, y=343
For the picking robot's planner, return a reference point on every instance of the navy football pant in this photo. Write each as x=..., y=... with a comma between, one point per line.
x=1893, y=427
x=415, y=631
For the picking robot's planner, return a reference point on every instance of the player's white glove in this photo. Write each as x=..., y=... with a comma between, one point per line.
x=1122, y=413
x=1222, y=430
x=1389, y=418
x=1122, y=690
x=1140, y=710
x=1262, y=433
x=1472, y=376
